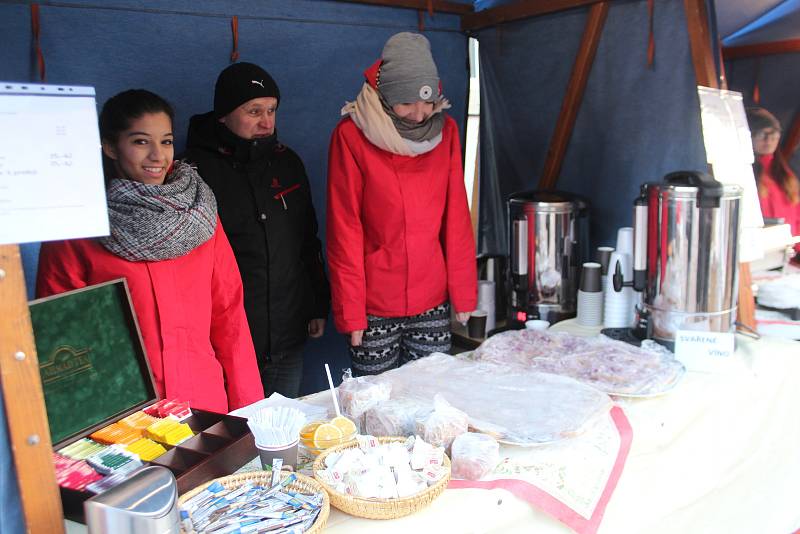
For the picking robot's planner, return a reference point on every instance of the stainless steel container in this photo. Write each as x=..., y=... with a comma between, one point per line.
x=545, y=230
x=145, y=503
x=686, y=254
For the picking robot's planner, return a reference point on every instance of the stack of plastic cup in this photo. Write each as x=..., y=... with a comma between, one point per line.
x=618, y=305
x=486, y=302
x=603, y=256
x=590, y=295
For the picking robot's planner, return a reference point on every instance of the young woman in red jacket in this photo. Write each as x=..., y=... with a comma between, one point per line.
x=167, y=241
x=778, y=186
x=399, y=237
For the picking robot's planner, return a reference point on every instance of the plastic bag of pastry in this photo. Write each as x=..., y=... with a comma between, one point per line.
x=357, y=395
x=474, y=456
x=611, y=366
x=443, y=424
x=395, y=417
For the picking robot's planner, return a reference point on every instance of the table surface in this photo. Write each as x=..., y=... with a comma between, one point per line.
x=719, y=453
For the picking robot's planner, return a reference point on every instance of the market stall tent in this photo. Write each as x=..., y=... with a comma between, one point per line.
x=622, y=113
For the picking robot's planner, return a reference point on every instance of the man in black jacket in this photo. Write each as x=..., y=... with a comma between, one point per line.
x=264, y=202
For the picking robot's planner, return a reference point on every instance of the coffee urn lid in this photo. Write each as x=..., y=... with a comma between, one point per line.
x=548, y=200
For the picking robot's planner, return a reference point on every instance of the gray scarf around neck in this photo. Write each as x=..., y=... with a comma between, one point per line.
x=413, y=131
x=160, y=222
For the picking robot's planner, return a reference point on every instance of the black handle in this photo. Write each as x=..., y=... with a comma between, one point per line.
x=709, y=190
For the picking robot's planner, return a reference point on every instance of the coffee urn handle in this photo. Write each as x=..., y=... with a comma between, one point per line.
x=640, y=243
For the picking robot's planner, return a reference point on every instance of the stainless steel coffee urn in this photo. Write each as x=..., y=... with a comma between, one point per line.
x=547, y=230
x=686, y=259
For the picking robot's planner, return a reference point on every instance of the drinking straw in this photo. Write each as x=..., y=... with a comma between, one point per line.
x=333, y=391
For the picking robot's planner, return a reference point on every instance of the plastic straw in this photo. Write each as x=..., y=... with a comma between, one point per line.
x=333, y=391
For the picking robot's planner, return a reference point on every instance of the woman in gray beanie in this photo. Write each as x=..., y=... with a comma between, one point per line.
x=399, y=236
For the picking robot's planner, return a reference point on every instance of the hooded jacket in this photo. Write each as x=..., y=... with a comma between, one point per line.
x=399, y=235
x=264, y=202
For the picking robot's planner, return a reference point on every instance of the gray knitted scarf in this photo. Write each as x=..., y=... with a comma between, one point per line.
x=413, y=131
x=160, y=222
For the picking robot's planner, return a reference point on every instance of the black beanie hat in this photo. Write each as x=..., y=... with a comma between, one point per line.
x=239, y=83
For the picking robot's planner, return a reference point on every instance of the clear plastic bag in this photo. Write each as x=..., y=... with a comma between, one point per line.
x=608, y=365
x=395, y=417
x=441, y=426
x=474, y=456
x=514, y=405
x=357, y=395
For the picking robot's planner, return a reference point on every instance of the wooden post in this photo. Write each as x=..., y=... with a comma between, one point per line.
x=706, y=74
x=574, y=95
x=29, y=434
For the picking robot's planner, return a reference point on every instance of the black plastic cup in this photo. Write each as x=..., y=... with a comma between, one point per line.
x=476, y=325
x=591, y=278
x=603, y=257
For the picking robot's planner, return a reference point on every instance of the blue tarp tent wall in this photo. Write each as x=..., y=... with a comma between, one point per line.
x=776, y=75
x=636, y=122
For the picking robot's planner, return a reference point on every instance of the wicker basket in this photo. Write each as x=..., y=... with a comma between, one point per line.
x=380, y=508
x=302, y=484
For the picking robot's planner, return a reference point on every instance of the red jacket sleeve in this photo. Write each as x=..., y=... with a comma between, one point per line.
x=345, y=236
x=230, y=335
x=458, y=241
x=61, y=268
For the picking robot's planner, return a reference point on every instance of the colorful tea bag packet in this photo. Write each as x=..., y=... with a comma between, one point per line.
x=138, y=421
x=108, y=482
x=114, y=460
x=169, y=407
x=116, y=433
x=169, y=431
x=251, y=508
x=82, y=449
x=146, y=449
x=74, y=474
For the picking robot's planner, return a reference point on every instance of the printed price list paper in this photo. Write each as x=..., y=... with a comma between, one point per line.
x=51, y=175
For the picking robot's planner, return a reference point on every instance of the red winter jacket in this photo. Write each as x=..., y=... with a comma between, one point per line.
x=399, y=235
x=776, y=203
x=189, y=310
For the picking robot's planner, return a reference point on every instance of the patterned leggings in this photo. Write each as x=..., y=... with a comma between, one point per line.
x=390, y=342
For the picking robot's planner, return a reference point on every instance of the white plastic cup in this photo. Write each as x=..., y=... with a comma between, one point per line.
x=537, y=324
x=624, y=242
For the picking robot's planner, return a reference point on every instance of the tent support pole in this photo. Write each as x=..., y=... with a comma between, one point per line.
x=29, y=434
x=788, y=46
x=792, y=138
x=574, y=95
x=706, y=74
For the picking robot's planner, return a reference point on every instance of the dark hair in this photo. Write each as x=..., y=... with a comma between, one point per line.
x=120, y=110
x=782, y=174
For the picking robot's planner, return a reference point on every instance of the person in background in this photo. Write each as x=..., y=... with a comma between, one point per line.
x=399, y=237
x=167, y=242
x=264, y=200
x=778, y=186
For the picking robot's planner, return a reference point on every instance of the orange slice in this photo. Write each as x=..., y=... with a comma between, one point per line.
x=326, y=435
x=307, y=432
x=344, y=424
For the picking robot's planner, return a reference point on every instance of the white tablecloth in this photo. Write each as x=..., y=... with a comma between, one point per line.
x=719, y=453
